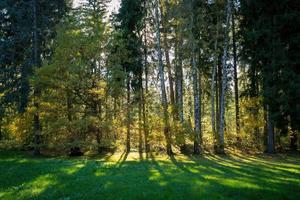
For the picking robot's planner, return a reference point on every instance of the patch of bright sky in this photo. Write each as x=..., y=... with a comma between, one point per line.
x=113, y=6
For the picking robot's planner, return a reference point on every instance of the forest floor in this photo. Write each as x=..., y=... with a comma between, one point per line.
x=120, y=176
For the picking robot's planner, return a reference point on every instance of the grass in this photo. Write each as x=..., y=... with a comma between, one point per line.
x=121, y=176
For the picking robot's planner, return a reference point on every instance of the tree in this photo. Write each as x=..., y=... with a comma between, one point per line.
x=164, y=100
x=270, y=46
x=24, y=44
x=78, y=71
x=224, y=79
x=235, y=76
x=213, y=84
x=197, y=113
x=129, y=24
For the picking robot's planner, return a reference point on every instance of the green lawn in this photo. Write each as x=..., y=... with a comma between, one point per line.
x=158, y=177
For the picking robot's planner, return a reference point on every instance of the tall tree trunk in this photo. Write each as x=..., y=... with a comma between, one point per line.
x=271, y=137
x=218, y=92
x=201, y=105
x=128, y=133
x=69, y=116
x=162, y=83
x=294, y=133
x=99, y=129
x=140, y=119
x=36, y=62
x=235, y=78
x=213, y=85
x=179, y=78
x=265, y=131
x=196, y=106
x=1, y=134
x=145, y=92
x=167, y=55
x=224, y=81
x=195, y=86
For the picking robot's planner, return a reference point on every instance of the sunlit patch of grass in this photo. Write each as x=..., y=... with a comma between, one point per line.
x=29, y=189
x=134, y=176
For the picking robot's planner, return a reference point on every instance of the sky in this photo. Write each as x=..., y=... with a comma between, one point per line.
x=113, y=6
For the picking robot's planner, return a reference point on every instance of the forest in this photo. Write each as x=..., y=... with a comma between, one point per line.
x=177, y=98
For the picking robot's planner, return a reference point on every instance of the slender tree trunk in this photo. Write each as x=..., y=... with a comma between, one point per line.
x=190, y=108
x=201, y=105
x=1, y=134
x=294, y=134
x=195, y=87
x=235, y=78
x=140, y=123
x=98, y=129
x=69, y=116
x=69, y=106
x=196, y=107
x=162, y=83
x=145, y=119
x=167, y=55
x=271, y=138
x=213, y=86
x=99, y=139
x=293, y=141
x=145, y=92
x=218, y=92
x=128, y=134
x=265, y=138
x=179, y=71
x=36, y=61
x=224, y=81
x=270, y=124
x=179, y=80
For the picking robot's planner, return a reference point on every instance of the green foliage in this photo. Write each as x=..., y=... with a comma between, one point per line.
x=16, y=46
x=269, y=45
x=99, y=80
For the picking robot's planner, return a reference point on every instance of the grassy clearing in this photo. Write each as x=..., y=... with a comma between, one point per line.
x=121, y=176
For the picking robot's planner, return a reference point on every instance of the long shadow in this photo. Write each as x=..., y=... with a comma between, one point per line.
x=172, y=179
x=222, y=167
x=255, y=174
x=251, y=166
x=156, y=164
x=271, y=161
x=18, y=168
x=181, y=165
x=121, y=157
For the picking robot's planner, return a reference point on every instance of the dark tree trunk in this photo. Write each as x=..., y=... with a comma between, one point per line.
x=167, y=55
x=145, y=92
x=179, y=76
x=36, y=61
x=214, y=90
x=98, y=114
x=294, y=141
x=265, y=138
x=140, y=123
x=1, y=134
x=271, y=137
x=128, y=134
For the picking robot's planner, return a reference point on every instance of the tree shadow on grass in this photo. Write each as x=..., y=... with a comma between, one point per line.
x=177, y=178
x=122, y=158
x=20, y=173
